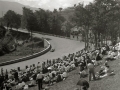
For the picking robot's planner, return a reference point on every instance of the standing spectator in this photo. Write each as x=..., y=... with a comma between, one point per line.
x=1, y=82
x=91, y=70
x=2, y=72
x=38, y=65
x=16, y=76
x=40, y=77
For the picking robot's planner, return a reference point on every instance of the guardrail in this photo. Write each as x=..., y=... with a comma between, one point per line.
x=28, y=57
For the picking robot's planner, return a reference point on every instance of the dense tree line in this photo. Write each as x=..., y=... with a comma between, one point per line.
x=41, y=20
x=102, y=17
x=12, y=19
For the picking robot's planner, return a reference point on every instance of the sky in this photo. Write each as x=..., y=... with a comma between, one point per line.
x=50, y=4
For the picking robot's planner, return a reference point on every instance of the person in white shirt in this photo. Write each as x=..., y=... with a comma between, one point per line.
x=38, y=65
x=64, y=75
x=40, y=77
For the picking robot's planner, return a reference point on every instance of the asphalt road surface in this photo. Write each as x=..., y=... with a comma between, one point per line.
x=62, y=47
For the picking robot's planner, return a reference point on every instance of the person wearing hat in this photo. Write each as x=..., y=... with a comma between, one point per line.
x=40, y=77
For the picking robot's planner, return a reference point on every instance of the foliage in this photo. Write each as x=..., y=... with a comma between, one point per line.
x=28, y=20
x=2, y=32
x=7, y=42
x=42, y=21
x=101, y=17
x=13, y=19
x=49, y=22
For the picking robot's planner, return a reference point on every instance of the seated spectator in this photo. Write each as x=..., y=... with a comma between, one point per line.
x=64, y=75
x=105, y=71
x=72, y=66
x=50, y=74
x=54, y=72
x=59, y=78
x=10, y=76
x=8, y=86
x=67, y=68
x=44, y=70
x=111, y=55
x=81, y=66
x=50, y=68
x=32, y=82
x=98, y=57
x=95, y=62
x=26, y=87
x=46, y=79
x=83, y=74
x=13, y=82
x=20, y=85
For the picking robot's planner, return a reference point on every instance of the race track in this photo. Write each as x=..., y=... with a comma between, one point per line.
x=62, y=47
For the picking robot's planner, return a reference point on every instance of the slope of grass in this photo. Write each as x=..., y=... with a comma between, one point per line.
x=106, y=83
x=22, y=51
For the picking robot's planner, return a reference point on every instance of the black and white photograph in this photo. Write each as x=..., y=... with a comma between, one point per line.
x=59, y=44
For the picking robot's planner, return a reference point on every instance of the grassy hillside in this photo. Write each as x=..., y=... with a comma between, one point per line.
x=17, y=7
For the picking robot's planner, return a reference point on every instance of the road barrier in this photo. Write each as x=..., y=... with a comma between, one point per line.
x=28, y=57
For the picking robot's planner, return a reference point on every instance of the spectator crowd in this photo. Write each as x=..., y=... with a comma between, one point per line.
x=56, y=70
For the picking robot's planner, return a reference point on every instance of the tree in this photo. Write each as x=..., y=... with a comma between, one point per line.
x=49, y=22
x=57, y=21
x=18, y=21
x=29, y=20
x=83, y=19
x=60, y=9
x=2, y=21
x=104, y=16
x=68, y=28
x=74, y=5
x=12, y=18
x=42, y=17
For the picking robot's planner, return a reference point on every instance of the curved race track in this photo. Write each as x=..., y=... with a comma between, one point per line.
x=62, y=47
